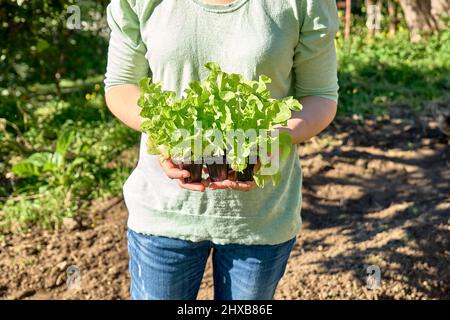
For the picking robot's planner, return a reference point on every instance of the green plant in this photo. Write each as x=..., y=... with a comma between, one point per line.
x=65, y=153
x=52, y=167
x=379, y=73
x=38, y=46
x=44, y=208
x=219, y=105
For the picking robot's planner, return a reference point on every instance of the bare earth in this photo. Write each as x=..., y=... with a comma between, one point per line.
x=376, y=192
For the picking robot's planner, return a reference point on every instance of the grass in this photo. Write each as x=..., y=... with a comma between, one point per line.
x=375, y=75
x=379, y=73
x=91, y=166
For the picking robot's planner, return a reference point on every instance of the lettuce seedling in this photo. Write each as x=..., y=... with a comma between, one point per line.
x=208, y=112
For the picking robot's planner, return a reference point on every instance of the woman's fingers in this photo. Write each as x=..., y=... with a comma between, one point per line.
x=175, y=173
x=172, y=171
x=194, y=186
x=232, y=183
x=243, y=186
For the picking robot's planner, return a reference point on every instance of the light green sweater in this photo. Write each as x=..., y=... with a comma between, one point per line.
x=291, y=41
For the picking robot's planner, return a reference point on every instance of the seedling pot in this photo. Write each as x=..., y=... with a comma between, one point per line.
x=194, y=169
x=217, y=171
x=247, y=174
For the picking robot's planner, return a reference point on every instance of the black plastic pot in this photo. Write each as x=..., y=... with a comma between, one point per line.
x=247, y=174
x=218, y=171
x=194, y=169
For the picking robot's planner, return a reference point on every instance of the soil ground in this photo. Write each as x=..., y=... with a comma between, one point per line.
x=376, y=192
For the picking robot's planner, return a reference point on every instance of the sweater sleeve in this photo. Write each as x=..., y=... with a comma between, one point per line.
x=315, y=55
x=127, y=63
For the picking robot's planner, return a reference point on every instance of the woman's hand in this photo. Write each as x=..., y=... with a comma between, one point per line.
x=243, y=186
x=173, y=172
x=232, y=184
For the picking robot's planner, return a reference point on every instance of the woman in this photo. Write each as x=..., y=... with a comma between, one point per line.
x=172, y=225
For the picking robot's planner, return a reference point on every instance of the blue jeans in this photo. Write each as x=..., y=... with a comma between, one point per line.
x=172, y=269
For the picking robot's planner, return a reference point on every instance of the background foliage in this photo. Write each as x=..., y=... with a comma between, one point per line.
x=60, y=148
x=37, y=47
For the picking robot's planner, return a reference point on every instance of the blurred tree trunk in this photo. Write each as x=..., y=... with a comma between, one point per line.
x=393, y=20
x=424, y=16
x=440, y=9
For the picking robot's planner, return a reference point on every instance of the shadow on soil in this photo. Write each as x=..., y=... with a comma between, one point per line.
x=392, y=199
